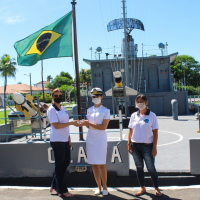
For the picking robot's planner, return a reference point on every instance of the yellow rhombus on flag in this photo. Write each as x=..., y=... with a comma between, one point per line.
x=52, y=41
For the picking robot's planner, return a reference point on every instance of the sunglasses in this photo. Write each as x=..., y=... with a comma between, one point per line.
x=56, y=96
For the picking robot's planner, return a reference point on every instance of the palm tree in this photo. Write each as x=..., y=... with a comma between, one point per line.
x=83, y=75
x=49, y=78
x=7, y=69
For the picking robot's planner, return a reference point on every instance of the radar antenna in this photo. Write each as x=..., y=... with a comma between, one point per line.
x=161, y=46
x=131, y=23
x=99, y=51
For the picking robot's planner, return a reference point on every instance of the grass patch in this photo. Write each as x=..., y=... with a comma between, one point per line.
x=195, y=103
x=2, y=117
x=68, y=108
x=23, y=129
x=67, y=104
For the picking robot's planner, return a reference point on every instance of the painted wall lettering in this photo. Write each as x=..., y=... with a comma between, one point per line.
x=50, y=151
x=116, y=154
x=81, y=154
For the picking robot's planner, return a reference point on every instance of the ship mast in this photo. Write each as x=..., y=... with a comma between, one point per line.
x=127, y=99
x=126, y=45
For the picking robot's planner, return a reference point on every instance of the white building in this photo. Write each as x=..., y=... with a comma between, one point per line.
x=21, y=88
x=40, y=84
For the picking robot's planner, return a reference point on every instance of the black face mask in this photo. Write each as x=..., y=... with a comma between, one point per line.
x=57, y=100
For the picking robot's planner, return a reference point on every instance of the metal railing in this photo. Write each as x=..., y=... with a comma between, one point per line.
x=35, y=133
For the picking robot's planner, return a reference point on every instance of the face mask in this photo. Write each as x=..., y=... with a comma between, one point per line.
x=141, y=106
x=57, y=100
x=96, y=100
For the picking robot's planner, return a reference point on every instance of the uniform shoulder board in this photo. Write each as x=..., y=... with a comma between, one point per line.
x=104, y=105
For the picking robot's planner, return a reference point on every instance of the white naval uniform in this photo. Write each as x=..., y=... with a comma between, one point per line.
x=96, y=140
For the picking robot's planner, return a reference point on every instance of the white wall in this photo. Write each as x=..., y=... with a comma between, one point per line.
x=40, y=85
x=1, y=100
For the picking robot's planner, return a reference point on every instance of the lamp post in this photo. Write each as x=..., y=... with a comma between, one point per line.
x=184, y=64
x=50, y=82
x=30, y=82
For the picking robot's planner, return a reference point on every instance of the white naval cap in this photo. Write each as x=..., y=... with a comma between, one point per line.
x=96, y=91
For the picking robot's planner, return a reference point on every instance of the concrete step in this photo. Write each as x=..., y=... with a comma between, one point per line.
x=86, y=179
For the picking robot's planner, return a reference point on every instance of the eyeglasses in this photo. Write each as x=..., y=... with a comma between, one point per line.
x=56, y=96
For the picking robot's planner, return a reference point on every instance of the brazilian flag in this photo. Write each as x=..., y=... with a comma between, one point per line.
x=52, y=41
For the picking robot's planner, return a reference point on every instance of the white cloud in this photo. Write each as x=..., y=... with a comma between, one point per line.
x=1, y=9
x=9, y=18
x=14, y=19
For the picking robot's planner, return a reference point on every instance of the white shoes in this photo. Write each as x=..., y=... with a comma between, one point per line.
x=105, y=192
x=97, y=192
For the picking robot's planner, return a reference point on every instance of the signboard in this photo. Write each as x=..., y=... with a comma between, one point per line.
x=36, y=159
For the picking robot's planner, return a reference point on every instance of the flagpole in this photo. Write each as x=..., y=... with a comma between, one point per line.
x=77, y=69
x=42, y=81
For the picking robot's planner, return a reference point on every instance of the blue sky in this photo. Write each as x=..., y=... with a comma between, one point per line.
x=175, y=22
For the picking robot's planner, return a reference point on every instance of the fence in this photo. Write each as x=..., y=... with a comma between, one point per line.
x=11, y=134
x=194, y=99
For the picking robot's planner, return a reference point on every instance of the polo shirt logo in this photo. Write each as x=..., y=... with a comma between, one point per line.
x=146, y=121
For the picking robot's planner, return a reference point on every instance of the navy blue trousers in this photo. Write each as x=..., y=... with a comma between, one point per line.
x=141, y=153
x=62, y=160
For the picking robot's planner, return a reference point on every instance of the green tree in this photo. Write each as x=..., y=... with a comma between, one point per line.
x=186, y=66
x=19, y=82
x=10, y=97
x=65, y=74
x=47, y=98
x=7, y=69
x=49, y=78
x=63, y=79
x=85, y=76
x=67, y=88
x=59, y=81
x=152, y=56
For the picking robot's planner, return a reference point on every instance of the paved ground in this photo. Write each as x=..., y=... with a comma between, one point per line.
x=173, y=142
x=173, y=193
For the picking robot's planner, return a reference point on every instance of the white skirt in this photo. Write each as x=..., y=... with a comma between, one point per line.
x=96, y=147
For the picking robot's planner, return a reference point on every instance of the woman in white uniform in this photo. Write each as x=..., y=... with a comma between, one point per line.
x=96, y=142
x=60, y=142
x=142, y=142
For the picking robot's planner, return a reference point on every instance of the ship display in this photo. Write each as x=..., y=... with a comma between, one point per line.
x=151, y=76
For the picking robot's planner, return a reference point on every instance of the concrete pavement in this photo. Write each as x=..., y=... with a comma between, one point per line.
x=30, y=193
x=173, y=142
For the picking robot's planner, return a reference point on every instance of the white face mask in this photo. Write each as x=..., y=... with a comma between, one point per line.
x=96, y=100
x=141, y=106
